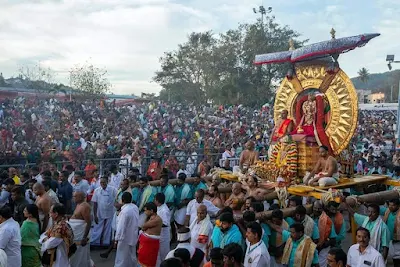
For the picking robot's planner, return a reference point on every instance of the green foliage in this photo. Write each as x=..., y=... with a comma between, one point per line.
x=220, y=68
x=89, y=80
x=363, y=74
x=2, y=81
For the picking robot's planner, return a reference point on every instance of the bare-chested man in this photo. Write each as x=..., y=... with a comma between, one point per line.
x=213, y=196
x=44, y=203
x=248, y=156
x=325, y=172
x=236, y=199
x=149, y=240
x=81, y=223
x=252, y=189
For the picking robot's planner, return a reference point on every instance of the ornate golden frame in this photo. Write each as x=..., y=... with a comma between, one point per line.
x=340, y=94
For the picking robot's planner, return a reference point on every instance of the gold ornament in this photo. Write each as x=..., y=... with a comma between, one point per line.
x=340, y=94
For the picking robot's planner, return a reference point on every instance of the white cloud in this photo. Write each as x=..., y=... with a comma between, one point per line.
x=128, y=36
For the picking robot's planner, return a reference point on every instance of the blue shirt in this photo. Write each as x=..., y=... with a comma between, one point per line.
x=65, y=193
x=385, y=237
x=391, y=221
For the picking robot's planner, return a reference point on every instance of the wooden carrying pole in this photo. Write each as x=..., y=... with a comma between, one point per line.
x=266, y=215
x=376, y=198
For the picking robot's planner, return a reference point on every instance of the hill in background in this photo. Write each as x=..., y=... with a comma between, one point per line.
x=378, y=81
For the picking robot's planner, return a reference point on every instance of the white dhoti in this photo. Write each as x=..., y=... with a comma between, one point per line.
x=322, y=256
x=165, y=238
x=180, y=216
x=323, y=181
x=274, y=263
x=81, y=258
x=394, y=250
x=126, y=255
x=101, y=232
x=142, y=219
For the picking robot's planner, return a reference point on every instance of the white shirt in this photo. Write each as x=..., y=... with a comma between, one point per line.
x=115, y=179
x=127, y=225
x=82, y=186
x=4, y=194
x=191, y=209
x=30, y=201
x=188, y=246
x=10, y=242
x=53, y=196
x=105, y=199
x=71, y=177
x=39, y=178
x=371, y=255
x=194, y=235
x=165, y=214
x=256, y=255
x=3, y=258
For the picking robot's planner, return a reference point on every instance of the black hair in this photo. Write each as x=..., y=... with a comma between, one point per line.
x=249, y=216
x=59, y=208
x=133, y=177
x=35, y=168
x=298, y=227
x=126, y=198
x=183, y=254
x=257, y=206
x=226, y=209
x=216, y=254
x=215, y=187
x=375, y=207
x=253, y=199
x=277, y=214
x=160, y=197
x=144, y=179
x=18, y=189
x=339, y=254
x=274, y=206
x=25, y=175
x=46, y=174
x=296, y=199
x=69, y=168
x=301, y=210
x=65, y=174
x=6, y=212
x=113, y=167
x=46, y=183
x=182, y=176
x=9, y=181
x=201, y=191
x=151, y=206
x=365, y=230
x=255, y=228
x=235, y=251
x=171, y=262
x=226, y=217
x=395, y=201
x=324, y=148
x=34, y=210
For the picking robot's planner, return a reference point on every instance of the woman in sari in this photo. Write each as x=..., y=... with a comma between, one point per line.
x=30, y=247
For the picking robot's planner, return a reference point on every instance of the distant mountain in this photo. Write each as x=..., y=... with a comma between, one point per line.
x=379, y=82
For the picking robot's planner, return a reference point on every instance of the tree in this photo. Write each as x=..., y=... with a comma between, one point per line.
x=2, y=81
x=37, y=77
x=363, y=74
x=89, y=80
x=220, y=68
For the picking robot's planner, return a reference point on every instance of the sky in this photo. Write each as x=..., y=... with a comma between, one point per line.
x=127, y=37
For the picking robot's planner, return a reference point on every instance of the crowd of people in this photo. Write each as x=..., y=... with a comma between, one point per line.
x=49, y=222
x=52, y=217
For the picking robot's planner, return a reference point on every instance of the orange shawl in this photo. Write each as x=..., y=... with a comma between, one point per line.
x=281, y=131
